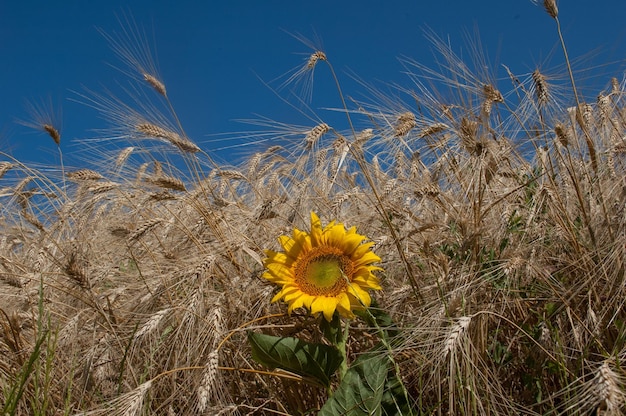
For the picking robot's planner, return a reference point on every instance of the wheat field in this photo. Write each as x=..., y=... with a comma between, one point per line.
x=497, y=205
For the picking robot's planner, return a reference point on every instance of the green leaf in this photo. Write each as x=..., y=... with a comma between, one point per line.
x=317, y=361
x=361, y=390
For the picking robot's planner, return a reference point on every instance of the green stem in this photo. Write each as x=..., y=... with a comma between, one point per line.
x=338, y=337
x=384, y=339
x=342, y=339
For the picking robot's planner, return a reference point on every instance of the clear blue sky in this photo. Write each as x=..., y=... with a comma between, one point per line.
x=211, y=54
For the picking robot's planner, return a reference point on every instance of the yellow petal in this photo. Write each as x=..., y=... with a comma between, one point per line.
x=343, y=305
x=308, y=300
x=365, y=271
x=336, y=236
x=278, y=273
x=316, y=230
x=326, y=305
x=351, y=242
x=277, y=297
x=288, y=288
x=361, y=296
x=297, y=303
x=365, y=259
x=292, y=294
x=362, y=249
x=303, y=242
x=367, y=282
x=277, y=257
x=287, y=242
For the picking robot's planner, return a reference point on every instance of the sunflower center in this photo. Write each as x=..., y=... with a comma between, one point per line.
x=323, y=271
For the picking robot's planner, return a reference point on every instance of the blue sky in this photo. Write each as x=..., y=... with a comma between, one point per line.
x=213, y=56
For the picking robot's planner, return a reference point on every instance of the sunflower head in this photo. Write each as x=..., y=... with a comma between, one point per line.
x=326, y=270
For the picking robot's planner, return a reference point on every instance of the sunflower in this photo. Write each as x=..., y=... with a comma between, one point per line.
x=326, y=270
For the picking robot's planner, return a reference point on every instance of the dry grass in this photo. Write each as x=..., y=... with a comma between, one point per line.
x=500, y=219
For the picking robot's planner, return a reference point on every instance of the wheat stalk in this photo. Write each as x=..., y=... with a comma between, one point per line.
x=4, y=168
x=541, y=87
x=169, y=182
x=433, y=129
x=455, y=335
x=155, y=131
x=562, y=135
x=30, y=218
x=492, y=95
x=231, y=174
x=134, y=400
x=467, y=133
x=217, y=320
x=404, y=124
x=315, y=58
x=84, y=175
x=551, y=8
x=144, y=228
x=13, y=279
x=607, y=389
x=53, y=133
x=102, y=187
x=156, y=84
x=19, y=188
x=123, y=156
x=315, y=134
x=193, y=308
x=152, y=323
x=209, y=377
x=69, y=331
